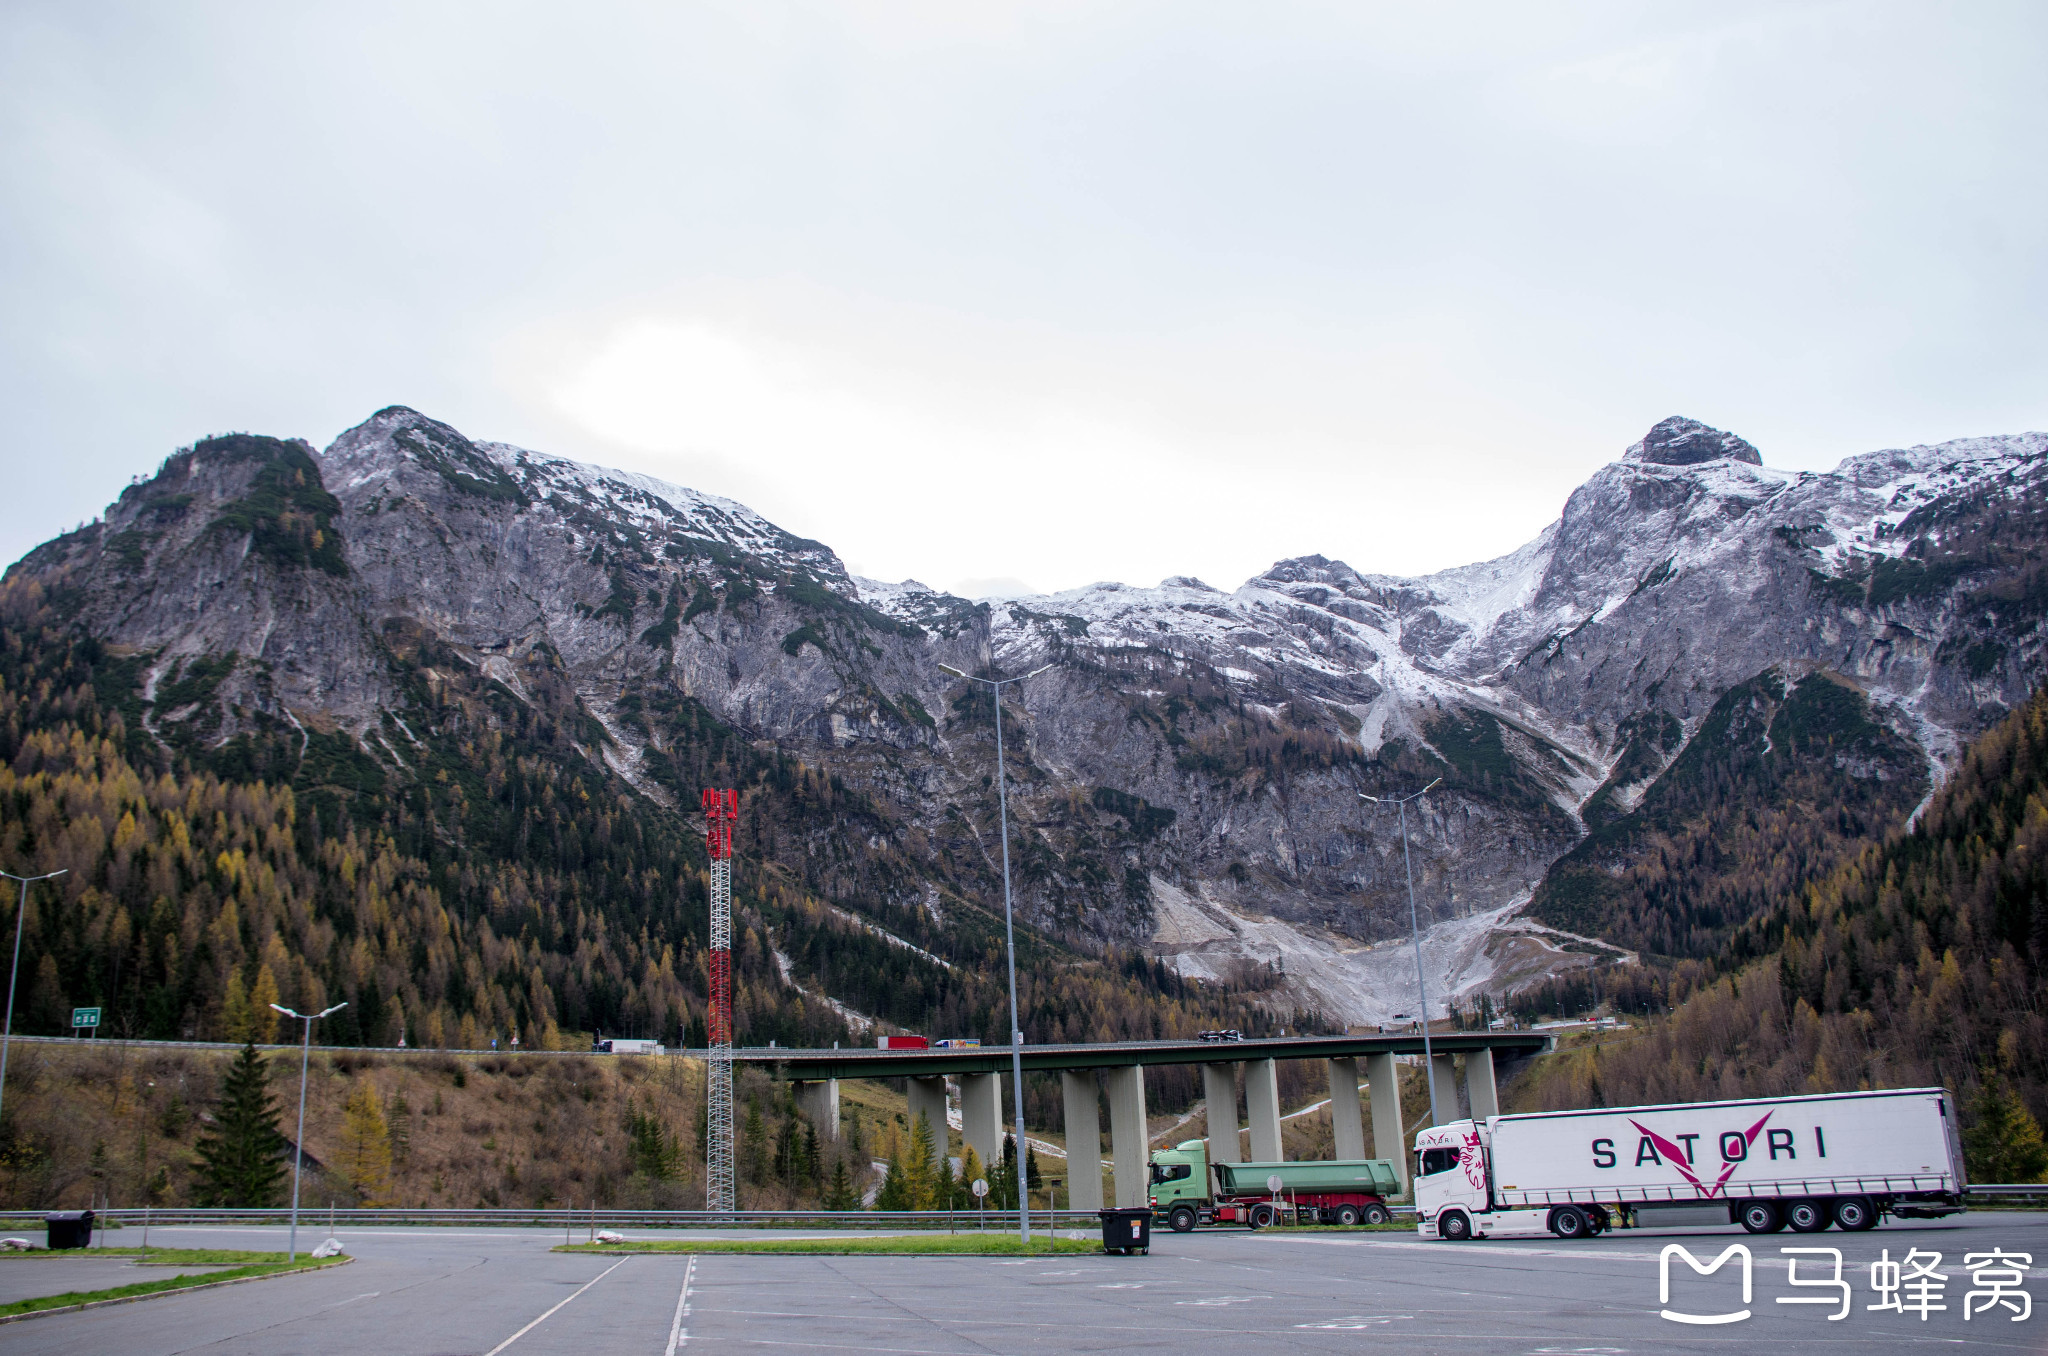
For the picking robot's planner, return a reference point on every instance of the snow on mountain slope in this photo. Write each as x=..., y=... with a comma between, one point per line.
x=1193, y=753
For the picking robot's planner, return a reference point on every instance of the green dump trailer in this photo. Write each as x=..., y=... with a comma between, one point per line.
x=1187, y=1190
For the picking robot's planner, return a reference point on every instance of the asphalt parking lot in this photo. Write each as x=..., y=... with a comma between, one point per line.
x=430, y=1291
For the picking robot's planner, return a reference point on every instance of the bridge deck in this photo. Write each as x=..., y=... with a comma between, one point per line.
x=809, y=1065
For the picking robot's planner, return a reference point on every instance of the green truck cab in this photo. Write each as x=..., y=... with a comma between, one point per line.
x=1187, y=1190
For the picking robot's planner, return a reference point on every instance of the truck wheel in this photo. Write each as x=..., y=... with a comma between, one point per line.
x=1807, y=1217
x=1347, y=1215
x=1853, y=1215
x=1568, y=1221
x=1264, y=1216
x=1454, y=1225
x=1760, y=1217
x=1182, y=1219
x=1377, y=1214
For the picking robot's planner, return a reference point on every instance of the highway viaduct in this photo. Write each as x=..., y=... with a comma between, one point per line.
x=1353, y=1062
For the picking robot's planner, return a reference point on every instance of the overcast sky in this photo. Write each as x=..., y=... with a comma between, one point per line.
x=982, y=293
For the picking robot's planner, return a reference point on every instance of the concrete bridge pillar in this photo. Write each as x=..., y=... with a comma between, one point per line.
x=1219, y=1089
x=1347, y=1125
x=1129, y=1141
x=1443, y=1077
x=1084, y=1140
x=1262, y=1109
x=928, y=1099
x=981, y=1114
x=820, y=1104
x=1389, y=1139
x=1479, y=1085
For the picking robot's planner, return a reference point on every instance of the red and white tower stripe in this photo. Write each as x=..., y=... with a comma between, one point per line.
x=721, y=810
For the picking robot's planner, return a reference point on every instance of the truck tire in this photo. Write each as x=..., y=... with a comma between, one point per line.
x=1378, y=1214
x=1808, y=1217
x=1182, y=1219
x=1853, y=1214
x=1760, y=1217
x=1264, y=1216
x=1568, y=1221
x=1455, y=1225
x=1347, y=1216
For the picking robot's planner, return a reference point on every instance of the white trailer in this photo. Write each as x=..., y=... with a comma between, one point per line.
x=1846, y=1159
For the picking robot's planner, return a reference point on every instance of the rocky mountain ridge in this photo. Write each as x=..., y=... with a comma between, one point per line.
x=1186, y=775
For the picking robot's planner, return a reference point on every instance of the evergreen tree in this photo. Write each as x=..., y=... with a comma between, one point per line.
x=920, y=1175
x=945, y=1191
x=241, y=1162
x=366, y=1147
x=839, y=1193
x=2005, y=1144
x=754, y=1144
x=894, y=1194
x=971, y=1167
x=814, y=1165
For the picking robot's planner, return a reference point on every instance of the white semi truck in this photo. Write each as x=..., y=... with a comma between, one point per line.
x=1846, y=1159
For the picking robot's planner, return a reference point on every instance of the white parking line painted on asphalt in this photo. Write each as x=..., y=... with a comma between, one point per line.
x=551, y=1313
x=679, y=1336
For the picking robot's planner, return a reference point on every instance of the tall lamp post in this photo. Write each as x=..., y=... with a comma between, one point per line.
x=299, y=1144
x=20, y=914
x=1415, y=929
x=995, y=686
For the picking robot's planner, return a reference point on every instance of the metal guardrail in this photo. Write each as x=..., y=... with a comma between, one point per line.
x=585, y=1218
x=2009, y=1190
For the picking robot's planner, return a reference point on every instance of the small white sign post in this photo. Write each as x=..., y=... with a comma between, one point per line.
x=980, y=1190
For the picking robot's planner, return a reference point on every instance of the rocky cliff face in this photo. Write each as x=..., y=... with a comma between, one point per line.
x=1186, y=774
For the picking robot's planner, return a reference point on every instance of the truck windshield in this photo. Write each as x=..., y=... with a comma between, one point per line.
x=1438, y=1160
x=1170, y=1172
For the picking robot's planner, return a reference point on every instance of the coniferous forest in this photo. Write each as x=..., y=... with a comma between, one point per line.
x=1916, y=962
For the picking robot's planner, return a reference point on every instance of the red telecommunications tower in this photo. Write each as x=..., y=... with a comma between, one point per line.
x=721, y=809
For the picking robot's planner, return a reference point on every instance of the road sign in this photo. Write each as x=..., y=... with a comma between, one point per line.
x=1273, y=1184
x=980, y=1188
x=86, y=1017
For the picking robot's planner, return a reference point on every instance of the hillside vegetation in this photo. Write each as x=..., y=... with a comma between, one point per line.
x=1915, y=962
x=508, y=886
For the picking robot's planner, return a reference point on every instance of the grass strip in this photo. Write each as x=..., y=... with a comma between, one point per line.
x=163, y=1257
x=944, y=1245
x=79, y=1299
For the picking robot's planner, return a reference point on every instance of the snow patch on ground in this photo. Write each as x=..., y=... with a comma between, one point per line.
x=890, y=937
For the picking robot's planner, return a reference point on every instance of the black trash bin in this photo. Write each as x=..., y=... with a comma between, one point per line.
x=1127, y=1230
x=68, y=1229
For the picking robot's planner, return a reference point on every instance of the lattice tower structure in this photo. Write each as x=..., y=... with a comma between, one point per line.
x=721, y=810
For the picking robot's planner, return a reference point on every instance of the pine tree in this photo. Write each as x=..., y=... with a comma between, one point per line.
x=366, y=1147
x=242, y=1160
x=2005, y=1144
x=971, y=1167
x=920, y=1177
x=839, y=1194
x=894, y=1194
x=754, y=1144
x=262, y=1016
x=814, y=1163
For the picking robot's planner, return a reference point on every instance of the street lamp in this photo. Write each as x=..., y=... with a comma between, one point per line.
x=1415, y=929
x=299, y=1144
x=1010, y=936
x=20, y=913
